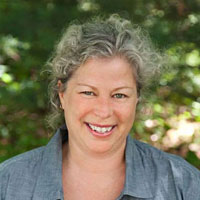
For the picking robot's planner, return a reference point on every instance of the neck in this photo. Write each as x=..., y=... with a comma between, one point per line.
x=93, y=163
x=92, y=175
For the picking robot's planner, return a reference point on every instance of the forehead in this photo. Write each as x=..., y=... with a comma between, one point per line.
x=114, y=68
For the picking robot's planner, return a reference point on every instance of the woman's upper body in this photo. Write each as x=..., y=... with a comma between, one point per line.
x=97, y=72
x=99, y=106
x=150, y=174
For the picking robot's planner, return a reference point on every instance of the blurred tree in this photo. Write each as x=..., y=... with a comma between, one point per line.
x=170, y=119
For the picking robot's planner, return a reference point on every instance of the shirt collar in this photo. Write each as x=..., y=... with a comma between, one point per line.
x=137, y=183
x=49, y=183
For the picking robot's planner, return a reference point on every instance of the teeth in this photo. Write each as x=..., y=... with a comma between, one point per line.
x=99, y=129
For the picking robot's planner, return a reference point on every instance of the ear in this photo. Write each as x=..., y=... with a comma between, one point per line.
x=61, y=94
x=138, y=101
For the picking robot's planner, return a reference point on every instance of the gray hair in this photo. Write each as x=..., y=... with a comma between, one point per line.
x=113, y=36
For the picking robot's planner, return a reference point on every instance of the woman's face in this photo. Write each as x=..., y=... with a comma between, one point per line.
x=99, y=105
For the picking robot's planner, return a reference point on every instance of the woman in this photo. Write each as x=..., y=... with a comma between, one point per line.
x=98, y=71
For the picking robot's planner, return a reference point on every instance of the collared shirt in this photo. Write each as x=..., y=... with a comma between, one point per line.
x=150, y=174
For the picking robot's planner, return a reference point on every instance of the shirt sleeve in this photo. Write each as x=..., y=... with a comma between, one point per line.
x=191, y=182
x=3, y=183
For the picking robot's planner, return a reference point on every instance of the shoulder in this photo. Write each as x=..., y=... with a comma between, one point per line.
x=168, y=170
x=20, y=170
x=151, y=153
x=27, y=158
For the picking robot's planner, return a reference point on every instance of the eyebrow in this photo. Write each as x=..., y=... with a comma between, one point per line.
x=93, y=87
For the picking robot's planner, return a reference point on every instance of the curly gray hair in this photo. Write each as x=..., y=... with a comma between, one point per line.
x=113, y=36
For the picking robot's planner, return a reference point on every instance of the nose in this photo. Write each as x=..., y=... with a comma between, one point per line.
x=103, y=108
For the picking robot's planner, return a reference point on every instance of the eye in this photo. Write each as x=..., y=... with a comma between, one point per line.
x=88, y=93
x=119, y=96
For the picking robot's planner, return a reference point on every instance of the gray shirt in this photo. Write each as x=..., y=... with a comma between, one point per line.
x=150, y=174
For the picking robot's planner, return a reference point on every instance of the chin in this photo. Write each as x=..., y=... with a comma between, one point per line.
x=99, y=147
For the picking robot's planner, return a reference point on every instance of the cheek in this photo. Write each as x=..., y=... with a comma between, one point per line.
x=78, y=106
x=126, y=113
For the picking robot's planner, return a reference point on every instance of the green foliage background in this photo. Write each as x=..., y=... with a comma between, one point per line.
x=170, y=117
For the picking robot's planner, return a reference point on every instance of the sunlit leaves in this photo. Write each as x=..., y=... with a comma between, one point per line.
x=6, y=78
x=3, y=69
x=193, y=58
x=10, y=46
x=194, y=19
x=88, y=6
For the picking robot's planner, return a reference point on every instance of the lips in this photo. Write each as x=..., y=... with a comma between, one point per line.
x=100, y=130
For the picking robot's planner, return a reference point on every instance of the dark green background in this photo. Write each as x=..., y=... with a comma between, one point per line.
x=170, y=117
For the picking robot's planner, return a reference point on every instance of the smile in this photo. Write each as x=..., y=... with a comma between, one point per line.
x=100, y=129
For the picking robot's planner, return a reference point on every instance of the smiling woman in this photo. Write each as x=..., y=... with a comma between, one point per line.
x=100, y=101
x=98, y=71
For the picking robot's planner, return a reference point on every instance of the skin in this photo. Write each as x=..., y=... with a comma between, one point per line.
x=101, y=92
